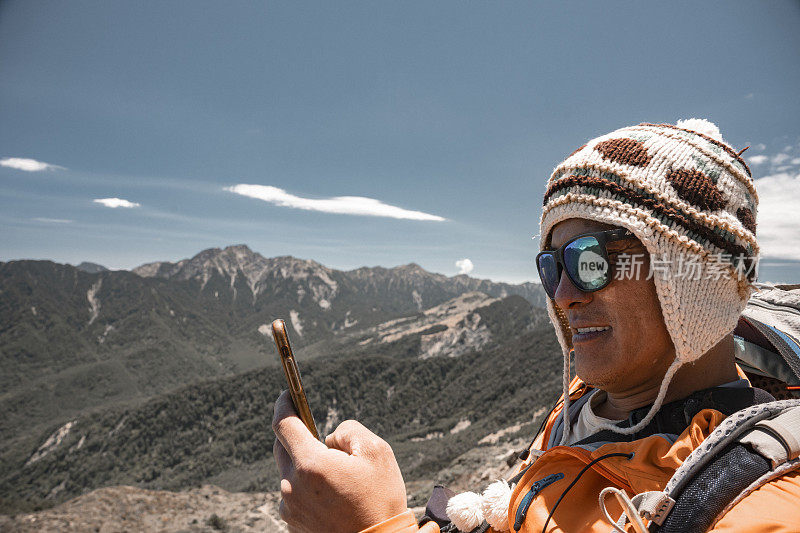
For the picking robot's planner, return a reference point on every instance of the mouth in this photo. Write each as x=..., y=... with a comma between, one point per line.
x=589, y=333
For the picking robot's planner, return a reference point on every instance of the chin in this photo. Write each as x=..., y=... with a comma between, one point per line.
x=594, y=369
x=596, y=381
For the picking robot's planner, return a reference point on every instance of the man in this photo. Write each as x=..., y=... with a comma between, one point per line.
x=647, y=254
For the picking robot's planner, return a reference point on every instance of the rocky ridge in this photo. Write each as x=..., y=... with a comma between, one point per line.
x=325, y=285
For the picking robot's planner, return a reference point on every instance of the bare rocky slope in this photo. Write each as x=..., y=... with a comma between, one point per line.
x=125, y=508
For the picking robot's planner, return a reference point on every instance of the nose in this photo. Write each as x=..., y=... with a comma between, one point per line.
x=567, y=294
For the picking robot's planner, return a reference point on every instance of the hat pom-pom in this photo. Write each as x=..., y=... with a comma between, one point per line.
x=496, y=499
x=465, y=511
x=701, y=125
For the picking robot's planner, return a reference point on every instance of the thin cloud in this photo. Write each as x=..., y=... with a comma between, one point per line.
x=776, y=263
x=341, y=205
x=52, y=220
x=777, y=215
x=464, y=266
x=116, y=202
x=28, y=165
x=769, y=164
x=778, y=159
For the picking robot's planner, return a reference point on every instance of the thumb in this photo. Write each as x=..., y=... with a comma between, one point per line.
x=291, y=431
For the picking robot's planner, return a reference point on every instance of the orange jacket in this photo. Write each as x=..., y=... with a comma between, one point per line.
x=775, y=507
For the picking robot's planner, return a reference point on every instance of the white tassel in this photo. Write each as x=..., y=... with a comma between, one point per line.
x=701, y=125
x=496, y=500
x=465, y=511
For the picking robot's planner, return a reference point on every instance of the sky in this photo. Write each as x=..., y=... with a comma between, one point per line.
x=365, y=133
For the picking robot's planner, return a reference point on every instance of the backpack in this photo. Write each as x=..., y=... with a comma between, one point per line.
x=770, y=327
x=751, y=447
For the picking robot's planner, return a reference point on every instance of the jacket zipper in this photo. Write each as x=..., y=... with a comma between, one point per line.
x=536, y=488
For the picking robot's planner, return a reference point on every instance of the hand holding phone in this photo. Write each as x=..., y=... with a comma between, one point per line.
x=293, y=376
x=347, y=483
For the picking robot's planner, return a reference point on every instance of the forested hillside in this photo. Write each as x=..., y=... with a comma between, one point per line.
x=220, y=431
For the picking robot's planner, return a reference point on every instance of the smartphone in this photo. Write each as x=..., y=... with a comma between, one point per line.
x=293, y=376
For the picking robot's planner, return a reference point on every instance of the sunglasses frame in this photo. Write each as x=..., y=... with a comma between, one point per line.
x=603, y=237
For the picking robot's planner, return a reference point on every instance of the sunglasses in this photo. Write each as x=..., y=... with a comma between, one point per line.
x=584, y=257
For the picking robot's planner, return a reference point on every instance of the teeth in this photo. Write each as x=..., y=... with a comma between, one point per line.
x=587, y=330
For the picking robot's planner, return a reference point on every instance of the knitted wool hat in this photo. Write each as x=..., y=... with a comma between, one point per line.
x=689, y=198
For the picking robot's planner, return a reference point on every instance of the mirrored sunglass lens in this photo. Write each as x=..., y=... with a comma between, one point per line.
x=548, y=273
x=585, y=264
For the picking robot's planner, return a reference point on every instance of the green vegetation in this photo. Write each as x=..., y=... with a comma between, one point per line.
x=217, y=523
x=184, y=438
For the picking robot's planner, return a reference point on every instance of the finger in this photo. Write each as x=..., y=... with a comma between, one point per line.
x=351, y=437
x=285, y=465
x=287, y=508
x=291, y=431
x=283, y=512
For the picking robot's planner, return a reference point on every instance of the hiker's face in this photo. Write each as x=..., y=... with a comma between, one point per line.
x=637, y=349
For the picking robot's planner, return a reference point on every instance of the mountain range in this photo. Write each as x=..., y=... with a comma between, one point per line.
x=99, y=370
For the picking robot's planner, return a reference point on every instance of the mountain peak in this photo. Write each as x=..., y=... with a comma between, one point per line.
x=239, y=262
x=240, y=248
x=91, y=268
x=410, y=267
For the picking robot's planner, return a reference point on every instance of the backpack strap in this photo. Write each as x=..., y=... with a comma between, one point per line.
x=733, y=470
x=750, y=448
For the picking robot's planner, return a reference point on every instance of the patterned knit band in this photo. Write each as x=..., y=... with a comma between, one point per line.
x=689, y=198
